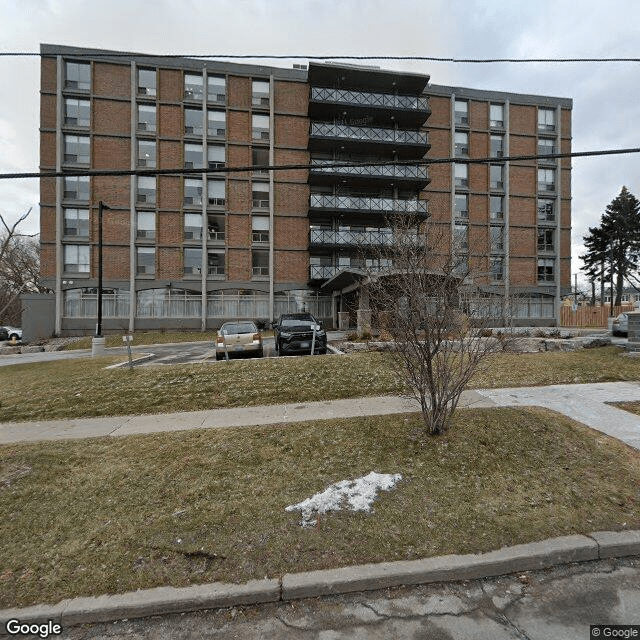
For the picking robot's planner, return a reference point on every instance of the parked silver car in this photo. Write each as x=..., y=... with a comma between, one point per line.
x=620, y=326
x=10, y=333
x=238, y=338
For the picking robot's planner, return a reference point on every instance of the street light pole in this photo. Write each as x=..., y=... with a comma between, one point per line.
x=98, y=344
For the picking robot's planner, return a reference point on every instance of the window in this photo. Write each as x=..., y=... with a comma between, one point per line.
x=76, y=258
x=76, y=149
x=496, y=207
x=146, y=82
x=146, y=153
x=192, y=191
x=462, y=205
x=461, y=112
x=146, y=193
x=496, y=180
x=146, y=225
x=215, y=263
x=193, y=87
x=461, y=141
x=545, y=240
x=497, y=146
x=460, y=237
x=496, y=268
x=76, y=188
x=216, y=89
x=215, y=227
x=146, y=117
x=496, y=237
x=546, y=210
x=259, y=262
x=193, y=156
x=215, y=156
x=496, y=116
x=216, y=192
x=216, y=124
x=260, y=196
x=546, y=119
x=260, y=158
x=546, y=179
x=76, y=222
x=546, y=146
x=260, y=93
x=546, y=269
x=461, y=175
x=193, y=122
x=192, y=262
x=259, y=127
x=78, y=76
x=259, y=229
x=145, y=261
x=193, y=226
x=76, y=112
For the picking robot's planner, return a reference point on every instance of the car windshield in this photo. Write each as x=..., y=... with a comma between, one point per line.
x=297, y=322
x=240, y=327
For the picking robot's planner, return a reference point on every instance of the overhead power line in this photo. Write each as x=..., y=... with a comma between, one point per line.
x=329, y=164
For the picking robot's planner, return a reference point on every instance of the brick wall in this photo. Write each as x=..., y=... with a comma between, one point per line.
x=112, y=80
x=111, y=117
x=291, y=97
x=170, y=227
x=170, y=85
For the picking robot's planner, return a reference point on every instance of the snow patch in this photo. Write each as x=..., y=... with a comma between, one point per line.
x=359, y=495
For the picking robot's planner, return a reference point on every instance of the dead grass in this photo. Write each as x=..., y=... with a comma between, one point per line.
x=111, y=515
x=146, y=337
x=631, y=407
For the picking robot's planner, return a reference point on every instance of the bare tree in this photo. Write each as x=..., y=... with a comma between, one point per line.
x=422, y=292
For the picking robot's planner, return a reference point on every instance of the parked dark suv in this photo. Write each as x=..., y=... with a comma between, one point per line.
x=294, y=334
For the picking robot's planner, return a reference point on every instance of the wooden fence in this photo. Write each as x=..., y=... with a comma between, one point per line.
x=596, y=317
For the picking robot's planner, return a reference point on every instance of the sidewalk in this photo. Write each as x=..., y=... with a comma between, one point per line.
x=585, y=403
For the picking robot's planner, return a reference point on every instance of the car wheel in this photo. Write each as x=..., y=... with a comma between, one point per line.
x=218, y=356
x=14, y=336
x=261, y=353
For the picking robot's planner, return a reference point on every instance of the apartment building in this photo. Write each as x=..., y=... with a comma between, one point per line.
x=229, y=238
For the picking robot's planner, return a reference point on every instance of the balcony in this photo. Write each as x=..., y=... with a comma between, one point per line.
x=322, y=272
x=369, y=205
x=329, y=171
x=380, y=237
x=324, y=135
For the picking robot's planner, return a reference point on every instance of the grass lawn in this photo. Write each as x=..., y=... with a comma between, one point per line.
x=147, y=337
x=632, y=407
x=84, y=388
x=111, y=515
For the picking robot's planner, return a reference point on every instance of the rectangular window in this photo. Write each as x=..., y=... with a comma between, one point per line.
x=462, y=205
x=215, y=263
x=78, y=76
x=496, y=116
x=147, y=153
x=260, y=93
x=76, y=222
x=146, y=82
x=216, y=89
x=461, y=176
x=545, y=240
x=496, y=268
x=76, y=149
x=259, y=229
x=546, y=179
x=76, y=188
x=192, y=191
x=193, y=156
x=215, y=228
x=461, y=141
x=260, y=158
x=546, y=146
x=496, y=239
x=146, y=225
x=76, y=112
x=496, y=207
x=193, y=226
x=546, y=210
x=192, y=262
x=496, y=180
x=193, y=87
x=461, y=112
x=216, y=193
x=216, y=156
x=216, y=124
x=259, y=262
x=546, y=270
x=76, y=258
x=146, y=192
x=259, y=127
x=193, y=122
x=145, y=261
x=146, y=117
x=546, y=119
x=497, y=146
x=260, y=196
x=460, y=237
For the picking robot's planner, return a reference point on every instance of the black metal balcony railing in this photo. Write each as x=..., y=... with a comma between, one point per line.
x=323, y=272
x=384, y=100
x=371, y=170
x=368, y=134
x=383, y=237
x=390, y=205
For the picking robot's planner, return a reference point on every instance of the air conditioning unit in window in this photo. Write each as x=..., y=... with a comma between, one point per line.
x=70, y=120
x=188, y=164
x=70, y=195
x=220, y=97
x=216, y=165
x=70, y=231
x=189, y=200
x=264, y=135
x=142, y=126
x=142, y=162
x=71, y=84
x=188, y=129
x=145, y=269
x=192, y=270
x=70, y=157
x=188, y=94
x=219, y=202
x=189, y=235
x=217, y=132
x=142, y=197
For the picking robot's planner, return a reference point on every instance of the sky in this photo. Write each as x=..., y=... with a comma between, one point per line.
x=606, y=108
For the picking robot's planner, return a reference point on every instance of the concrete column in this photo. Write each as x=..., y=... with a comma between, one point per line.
x=133, y=187
x=59, y=192
x=364, y=313
x=272, y=231
x=204, y=269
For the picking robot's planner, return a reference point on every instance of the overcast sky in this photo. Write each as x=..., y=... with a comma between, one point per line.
x=606, y=108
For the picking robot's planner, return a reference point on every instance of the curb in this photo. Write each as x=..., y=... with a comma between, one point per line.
x=368, y=577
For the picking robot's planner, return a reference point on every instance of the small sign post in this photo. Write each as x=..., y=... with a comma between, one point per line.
x=128, y=339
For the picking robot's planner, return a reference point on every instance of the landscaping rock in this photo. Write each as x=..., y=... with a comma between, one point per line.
x=32, y=349
x=7, y=351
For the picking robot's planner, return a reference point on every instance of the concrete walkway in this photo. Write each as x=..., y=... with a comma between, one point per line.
x=582, y=402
